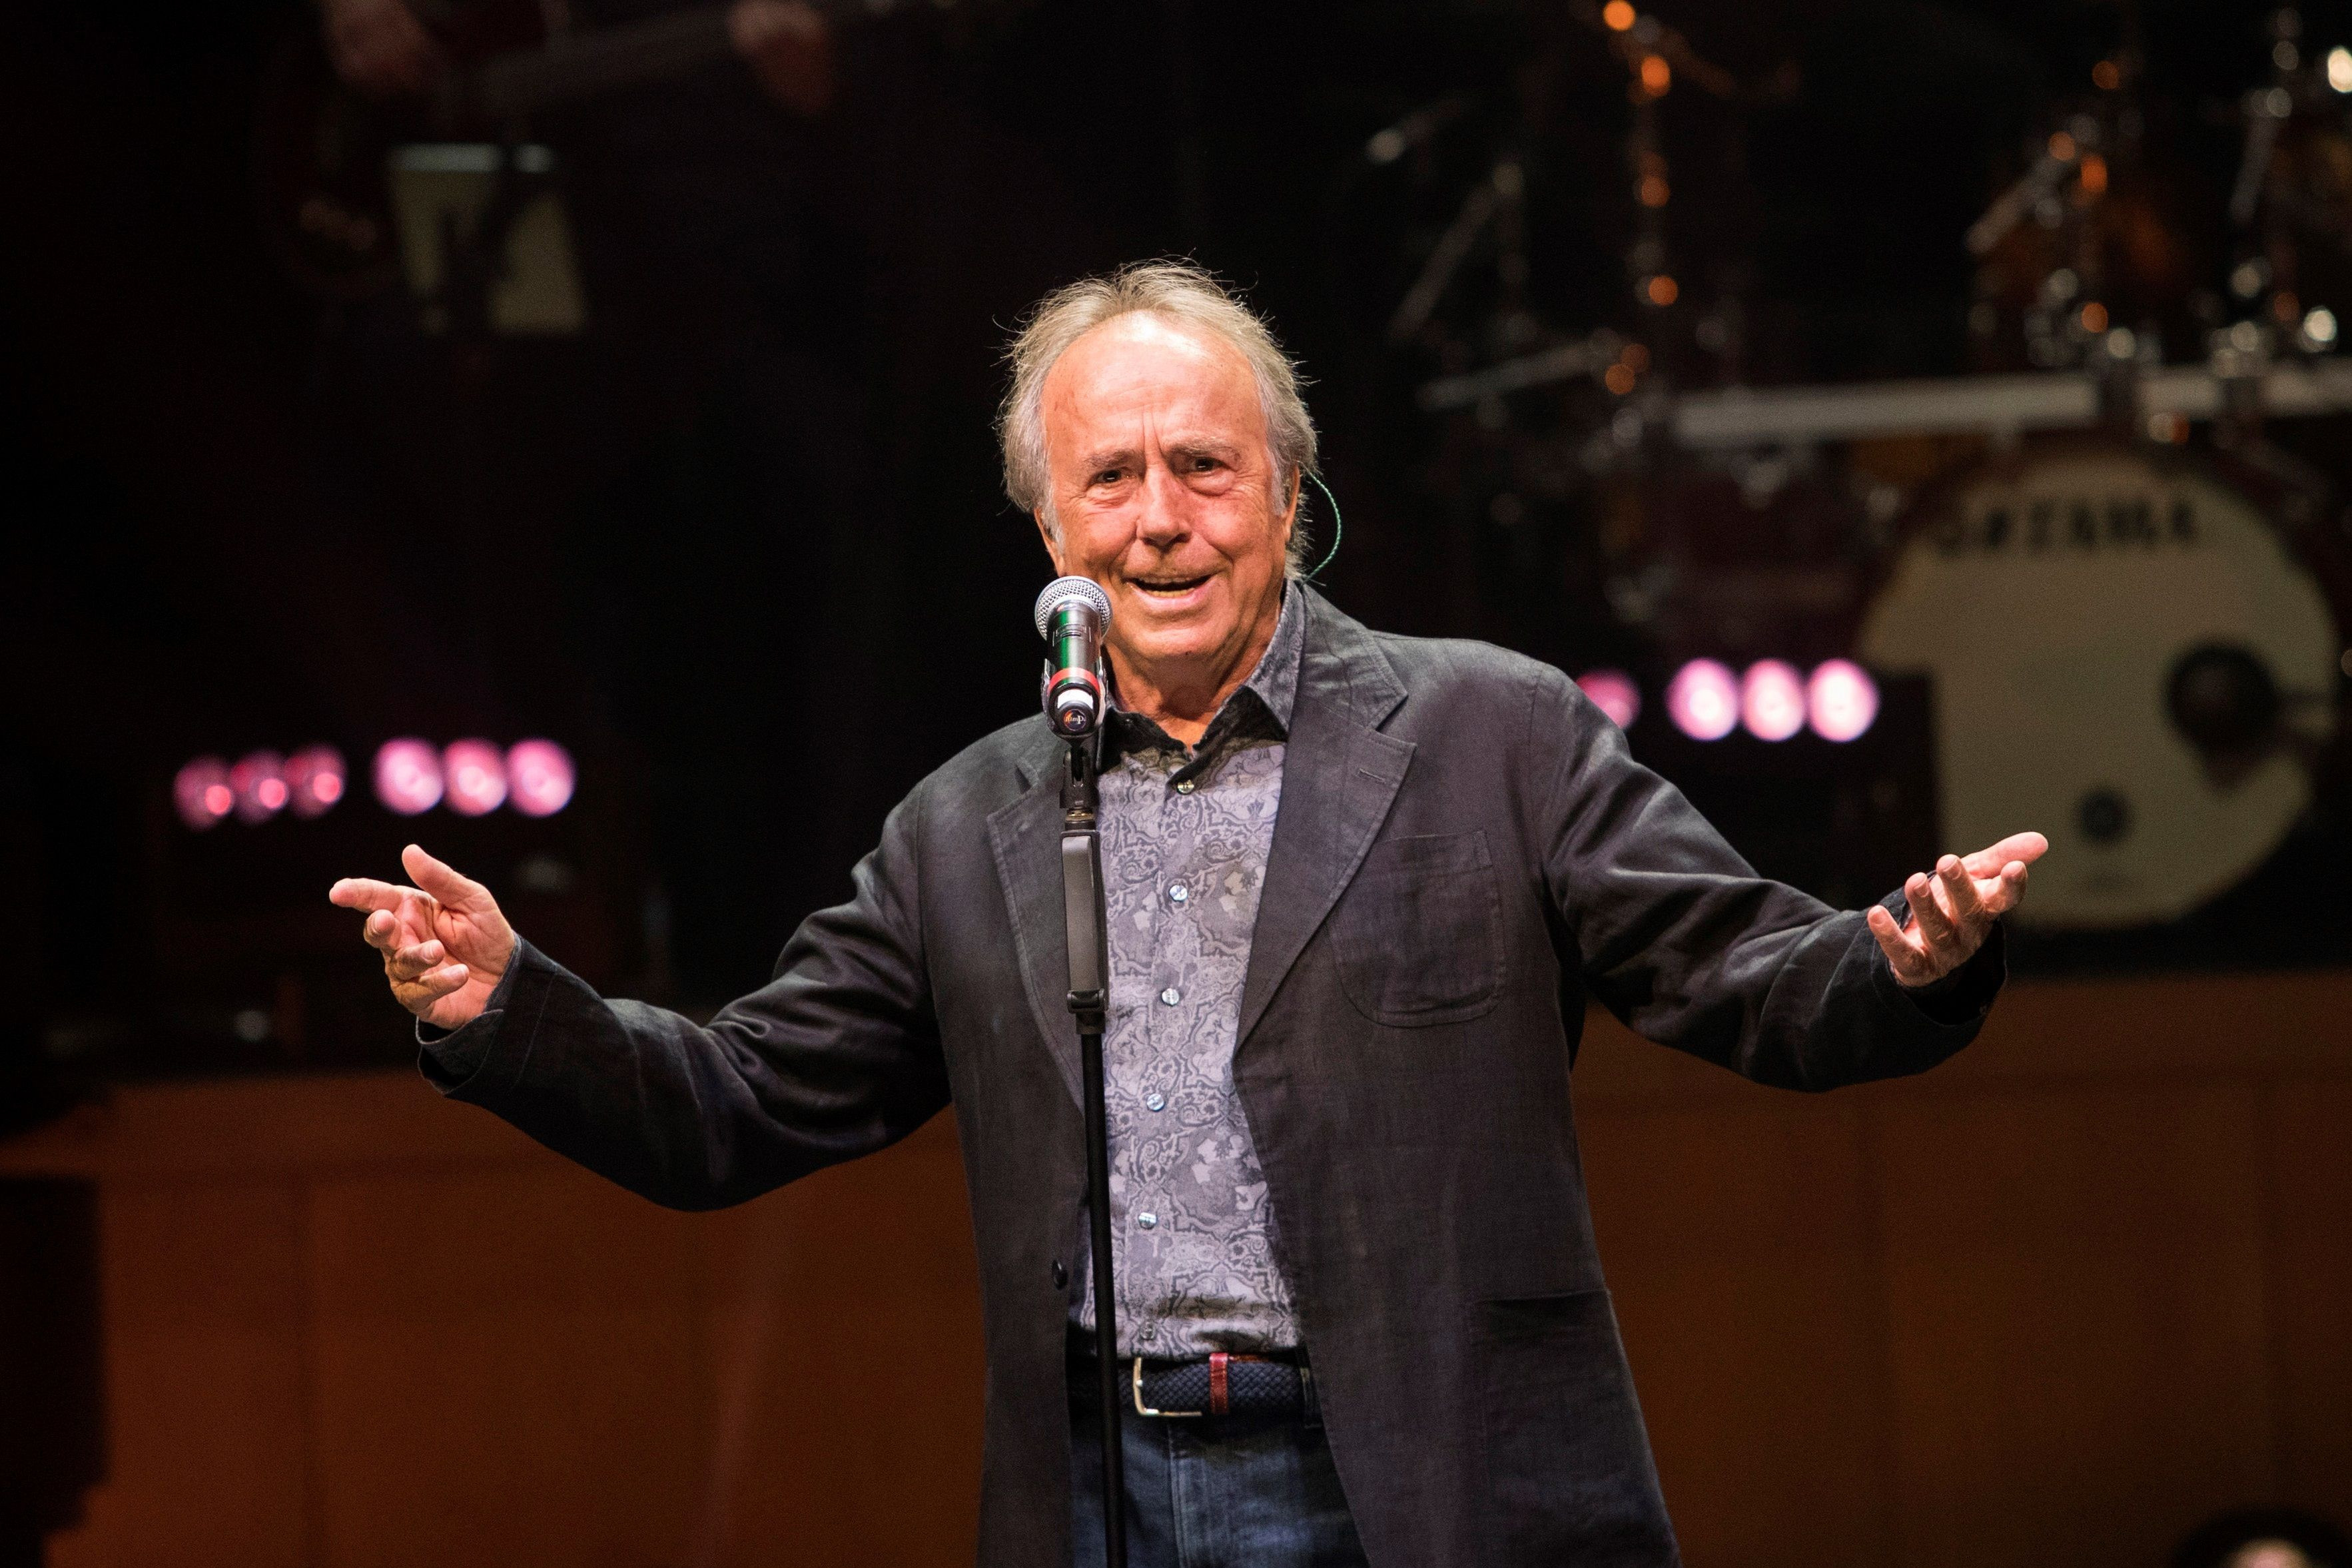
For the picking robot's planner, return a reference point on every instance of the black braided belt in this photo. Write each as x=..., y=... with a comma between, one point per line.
x=1220, y=1384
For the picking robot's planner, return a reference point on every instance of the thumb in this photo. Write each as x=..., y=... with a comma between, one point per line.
x=453, y=890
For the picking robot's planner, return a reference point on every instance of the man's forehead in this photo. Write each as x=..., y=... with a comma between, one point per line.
x=1142, y=357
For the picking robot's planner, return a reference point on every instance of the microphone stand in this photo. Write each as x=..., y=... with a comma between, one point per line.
x=1085, y=921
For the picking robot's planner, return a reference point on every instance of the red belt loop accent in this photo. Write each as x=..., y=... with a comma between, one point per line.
x=1217, y=1386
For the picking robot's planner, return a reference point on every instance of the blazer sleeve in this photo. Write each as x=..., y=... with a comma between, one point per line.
x=1675, y=934
x=837, y=1056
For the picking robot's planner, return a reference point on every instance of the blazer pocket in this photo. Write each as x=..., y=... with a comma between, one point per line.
x=1569, y=1474
x=1419, y=936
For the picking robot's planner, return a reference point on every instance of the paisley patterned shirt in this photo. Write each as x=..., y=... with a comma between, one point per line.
x=1185, y=836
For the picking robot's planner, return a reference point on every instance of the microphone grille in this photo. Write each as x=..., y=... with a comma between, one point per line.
x=1064, y=590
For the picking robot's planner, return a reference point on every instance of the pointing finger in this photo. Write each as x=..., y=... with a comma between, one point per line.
x=367, y=893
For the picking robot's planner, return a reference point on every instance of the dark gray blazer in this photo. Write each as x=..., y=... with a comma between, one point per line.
x=1465, y=852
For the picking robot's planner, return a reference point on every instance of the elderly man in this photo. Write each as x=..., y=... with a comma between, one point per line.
x=1359, y=888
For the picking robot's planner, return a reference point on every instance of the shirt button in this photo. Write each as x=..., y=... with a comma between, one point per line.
x=1171, y=995
x=1183, y=786
x=1061, y=1275
x=1155, y=1101
x=1147, y=1219
x=1179, y=893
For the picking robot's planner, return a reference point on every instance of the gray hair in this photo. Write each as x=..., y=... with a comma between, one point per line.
x=1183, y=293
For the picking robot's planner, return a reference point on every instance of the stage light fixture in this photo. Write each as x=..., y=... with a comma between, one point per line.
x=475, y=776
x=1613, y=693
x=201, y=793
x=408, y=776
x=540, y=777
x=1772, y=699
x=259, y=782
x=1842, y=701
x=1703, y=700
x=2339, y=68
x=315, y=780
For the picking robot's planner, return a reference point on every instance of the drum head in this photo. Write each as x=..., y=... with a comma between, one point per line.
x=2126, y=656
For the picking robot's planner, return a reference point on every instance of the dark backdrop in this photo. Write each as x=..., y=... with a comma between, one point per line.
x=741, y=546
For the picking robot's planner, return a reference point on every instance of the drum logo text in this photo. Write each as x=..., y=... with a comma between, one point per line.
x=2034, y=525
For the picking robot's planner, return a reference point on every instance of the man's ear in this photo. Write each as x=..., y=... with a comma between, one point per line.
x=1052, y=546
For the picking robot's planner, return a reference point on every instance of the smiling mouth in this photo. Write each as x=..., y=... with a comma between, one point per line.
x=1165, y=587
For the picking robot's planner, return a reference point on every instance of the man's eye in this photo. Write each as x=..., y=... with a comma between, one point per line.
x=1109, y=476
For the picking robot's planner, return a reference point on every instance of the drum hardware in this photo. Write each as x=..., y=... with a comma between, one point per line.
x=2171, y=398
x=2159, y=685
x=2161, y=680
x=1494, y=202
x=2267, y=109
x=1416, y=132
x=1654, y=58
x=1586, y=357
x=2060, y=159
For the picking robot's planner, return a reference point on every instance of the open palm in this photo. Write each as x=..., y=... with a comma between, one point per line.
x=1953, y=911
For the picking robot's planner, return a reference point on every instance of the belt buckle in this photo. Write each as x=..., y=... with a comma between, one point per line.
x=1143, y=1409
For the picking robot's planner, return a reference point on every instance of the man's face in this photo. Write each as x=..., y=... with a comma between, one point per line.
x=1164, y=490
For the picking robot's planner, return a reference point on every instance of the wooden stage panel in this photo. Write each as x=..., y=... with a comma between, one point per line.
x=2307, y=1168
x=208, y=1419
x=1738, y=1247
x=2052, y=1303
x=2076, y=1290
x=496, y=1351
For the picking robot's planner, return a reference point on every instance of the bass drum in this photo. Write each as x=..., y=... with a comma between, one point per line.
x=2127, y=654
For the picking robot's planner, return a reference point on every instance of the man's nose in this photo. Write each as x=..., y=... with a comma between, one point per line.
x=1164, y=516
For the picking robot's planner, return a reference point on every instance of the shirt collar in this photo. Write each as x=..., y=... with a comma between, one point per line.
x=1275, y=681
x=1271, y=690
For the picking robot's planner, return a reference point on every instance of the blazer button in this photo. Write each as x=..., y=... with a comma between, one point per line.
x=1061, y=1276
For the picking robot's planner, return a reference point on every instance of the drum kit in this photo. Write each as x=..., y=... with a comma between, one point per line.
x=2127, y=598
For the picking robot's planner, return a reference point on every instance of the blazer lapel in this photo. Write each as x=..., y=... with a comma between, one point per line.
x=1025, y=836
x=1340, y=774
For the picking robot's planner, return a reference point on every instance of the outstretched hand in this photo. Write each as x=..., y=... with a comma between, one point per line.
x=444, y=944
x=1952, y=911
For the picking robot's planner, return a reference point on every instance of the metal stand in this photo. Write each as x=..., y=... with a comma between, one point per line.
x=1084, y=922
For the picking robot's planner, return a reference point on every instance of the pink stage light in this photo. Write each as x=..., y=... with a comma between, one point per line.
x=1703, y=700
x=1613, y=693
x=1842, y=701
x=476, y=775
x=201, y=793
x=1772, y=699
x=258, y=782
x=540, y=774
x=316, y=778
x=408, y=776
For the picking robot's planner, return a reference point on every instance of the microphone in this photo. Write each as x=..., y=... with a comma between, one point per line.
x=1073, y=614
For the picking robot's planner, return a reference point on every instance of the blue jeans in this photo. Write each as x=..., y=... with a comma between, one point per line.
x=1211, y=1491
